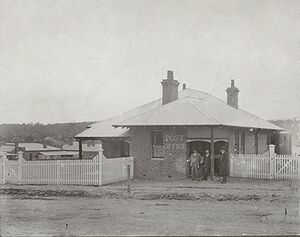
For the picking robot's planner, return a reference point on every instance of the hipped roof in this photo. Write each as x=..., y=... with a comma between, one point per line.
x=193, y=108
x=105, y=129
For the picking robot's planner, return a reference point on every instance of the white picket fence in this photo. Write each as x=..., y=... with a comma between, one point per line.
x=96, y=171
x=266, y=166
x=286, y=167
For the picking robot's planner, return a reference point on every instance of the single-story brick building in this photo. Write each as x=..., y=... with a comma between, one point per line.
x=160, y=135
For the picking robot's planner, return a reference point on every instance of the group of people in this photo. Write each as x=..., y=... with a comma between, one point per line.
x=200, y=165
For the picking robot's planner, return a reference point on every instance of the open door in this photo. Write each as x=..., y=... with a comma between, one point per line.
x=201, y=146
x=217, y=147
x=198, y=145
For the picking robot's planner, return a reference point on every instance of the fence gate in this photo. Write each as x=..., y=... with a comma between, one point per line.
x=265, y=166
x=286, y=167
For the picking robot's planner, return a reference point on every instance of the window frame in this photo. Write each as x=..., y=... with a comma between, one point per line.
x=237, y=142
x=152, y=145
x=243, y=141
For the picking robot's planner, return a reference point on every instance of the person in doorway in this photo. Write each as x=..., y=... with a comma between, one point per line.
x=195, y=164
x=206, y=164
x=201, y=167
x=224, y=169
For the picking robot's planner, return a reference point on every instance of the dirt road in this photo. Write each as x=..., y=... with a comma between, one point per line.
x=63, y=216
x=171, y=207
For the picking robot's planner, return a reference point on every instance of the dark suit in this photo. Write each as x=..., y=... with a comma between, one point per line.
x=224, y=166
x=195, y=160
x=206, y=166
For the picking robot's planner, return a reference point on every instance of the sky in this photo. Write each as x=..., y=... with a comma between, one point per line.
x=70, y=61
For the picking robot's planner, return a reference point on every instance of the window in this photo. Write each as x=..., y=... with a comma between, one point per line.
x=243, y=138
x=30, y=156
x=237, y=142
x=157, y=144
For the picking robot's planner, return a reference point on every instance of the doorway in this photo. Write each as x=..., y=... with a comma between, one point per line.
x=217, y=154
x=201, y=146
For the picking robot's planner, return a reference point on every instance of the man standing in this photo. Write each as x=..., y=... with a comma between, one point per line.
x=206, y=164
x=195, y=164
x=224, y=169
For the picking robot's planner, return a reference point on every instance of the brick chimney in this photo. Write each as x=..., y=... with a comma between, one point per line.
x=232, y=95
x=169, y=88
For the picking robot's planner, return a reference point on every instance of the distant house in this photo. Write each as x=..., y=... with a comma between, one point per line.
x=57, y=155
x=38, y=151
x=160, y=135
x=8, y=149
x=31, y=150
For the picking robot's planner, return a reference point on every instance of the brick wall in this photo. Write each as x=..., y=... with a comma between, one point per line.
x=174, y=162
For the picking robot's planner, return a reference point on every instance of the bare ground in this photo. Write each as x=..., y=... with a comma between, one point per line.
x=176, y=207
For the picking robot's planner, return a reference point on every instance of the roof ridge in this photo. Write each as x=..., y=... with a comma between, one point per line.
x=152, y=110
x=203, y=111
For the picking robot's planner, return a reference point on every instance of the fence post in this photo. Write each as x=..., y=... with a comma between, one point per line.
x=298, y=168
x=20, y=162
x=230, y=164
x=58, y=177
x=128, y=179
x=272, y=160
x=4, y=155
x=100, y=163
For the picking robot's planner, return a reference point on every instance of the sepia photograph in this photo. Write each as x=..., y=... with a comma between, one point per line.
x=149, y=118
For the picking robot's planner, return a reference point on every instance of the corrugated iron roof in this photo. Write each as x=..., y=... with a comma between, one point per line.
x=104, y=128
x=58, y=153
x=192, y=108
x=7, y=148
x=197, y=108
x=32, y=146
